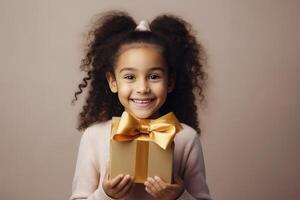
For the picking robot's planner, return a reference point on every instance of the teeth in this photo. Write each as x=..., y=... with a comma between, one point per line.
x=141, y=101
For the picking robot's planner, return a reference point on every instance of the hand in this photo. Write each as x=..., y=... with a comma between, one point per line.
x=117, y=187
x=157, y=188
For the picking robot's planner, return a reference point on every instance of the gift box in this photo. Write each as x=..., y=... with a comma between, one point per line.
x=140, y=156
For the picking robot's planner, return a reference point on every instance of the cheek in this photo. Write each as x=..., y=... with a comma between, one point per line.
x=123, y=90
x=161, y=90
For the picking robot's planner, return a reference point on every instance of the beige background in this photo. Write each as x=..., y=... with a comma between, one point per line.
x=250, y=125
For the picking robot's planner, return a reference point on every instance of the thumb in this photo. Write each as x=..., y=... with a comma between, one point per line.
x=107, y=174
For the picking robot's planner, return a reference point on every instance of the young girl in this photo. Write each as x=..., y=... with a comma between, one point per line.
x=147, y=71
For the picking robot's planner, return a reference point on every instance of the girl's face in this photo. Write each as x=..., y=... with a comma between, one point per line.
x=141, y=80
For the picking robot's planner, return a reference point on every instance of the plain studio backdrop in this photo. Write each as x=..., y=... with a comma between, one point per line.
x=250, y=122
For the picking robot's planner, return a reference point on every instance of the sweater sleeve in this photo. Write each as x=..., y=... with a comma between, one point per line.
x=86, y=180
x=194, y=173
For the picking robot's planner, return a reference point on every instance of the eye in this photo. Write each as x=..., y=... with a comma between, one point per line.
x=153, y=76
x=129, y=77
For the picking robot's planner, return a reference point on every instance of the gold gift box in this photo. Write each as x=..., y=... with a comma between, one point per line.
x=140, y=159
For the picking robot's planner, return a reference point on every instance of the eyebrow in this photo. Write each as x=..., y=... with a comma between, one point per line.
x=134, y=69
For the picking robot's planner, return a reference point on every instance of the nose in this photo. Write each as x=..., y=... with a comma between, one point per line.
x=143, y=87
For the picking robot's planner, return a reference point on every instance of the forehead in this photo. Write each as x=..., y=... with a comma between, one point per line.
x=140, y=56
x=126, y=47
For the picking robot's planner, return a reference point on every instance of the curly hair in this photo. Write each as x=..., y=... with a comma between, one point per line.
x=183, y=54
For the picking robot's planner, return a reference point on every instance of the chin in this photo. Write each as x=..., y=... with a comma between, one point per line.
x=145, y=115
x=142, y=116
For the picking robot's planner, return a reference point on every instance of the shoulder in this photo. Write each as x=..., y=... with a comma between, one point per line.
x=187, y=136
x=97, y=132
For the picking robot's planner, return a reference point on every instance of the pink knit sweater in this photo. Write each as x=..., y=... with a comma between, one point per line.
x=93, y=155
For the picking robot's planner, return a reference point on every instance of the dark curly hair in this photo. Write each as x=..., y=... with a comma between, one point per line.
x=183, y=54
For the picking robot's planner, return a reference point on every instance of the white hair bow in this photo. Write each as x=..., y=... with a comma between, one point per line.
x=143, y=26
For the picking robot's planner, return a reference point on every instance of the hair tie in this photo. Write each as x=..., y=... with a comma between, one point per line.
x=143, y=26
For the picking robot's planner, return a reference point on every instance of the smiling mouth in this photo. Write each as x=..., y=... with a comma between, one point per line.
x=142, y=102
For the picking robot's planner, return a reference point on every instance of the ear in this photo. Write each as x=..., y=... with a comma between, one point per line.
x=110, y=77
x=171, y=82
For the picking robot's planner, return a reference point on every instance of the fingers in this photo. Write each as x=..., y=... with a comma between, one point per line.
x=151, y=192
x=126, y=188
x=155, y=186
x=158, y=184
x=119, y=186
x=115, y=181
x=149, y=188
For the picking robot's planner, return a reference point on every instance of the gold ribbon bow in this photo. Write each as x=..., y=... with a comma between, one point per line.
x=161, y=130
